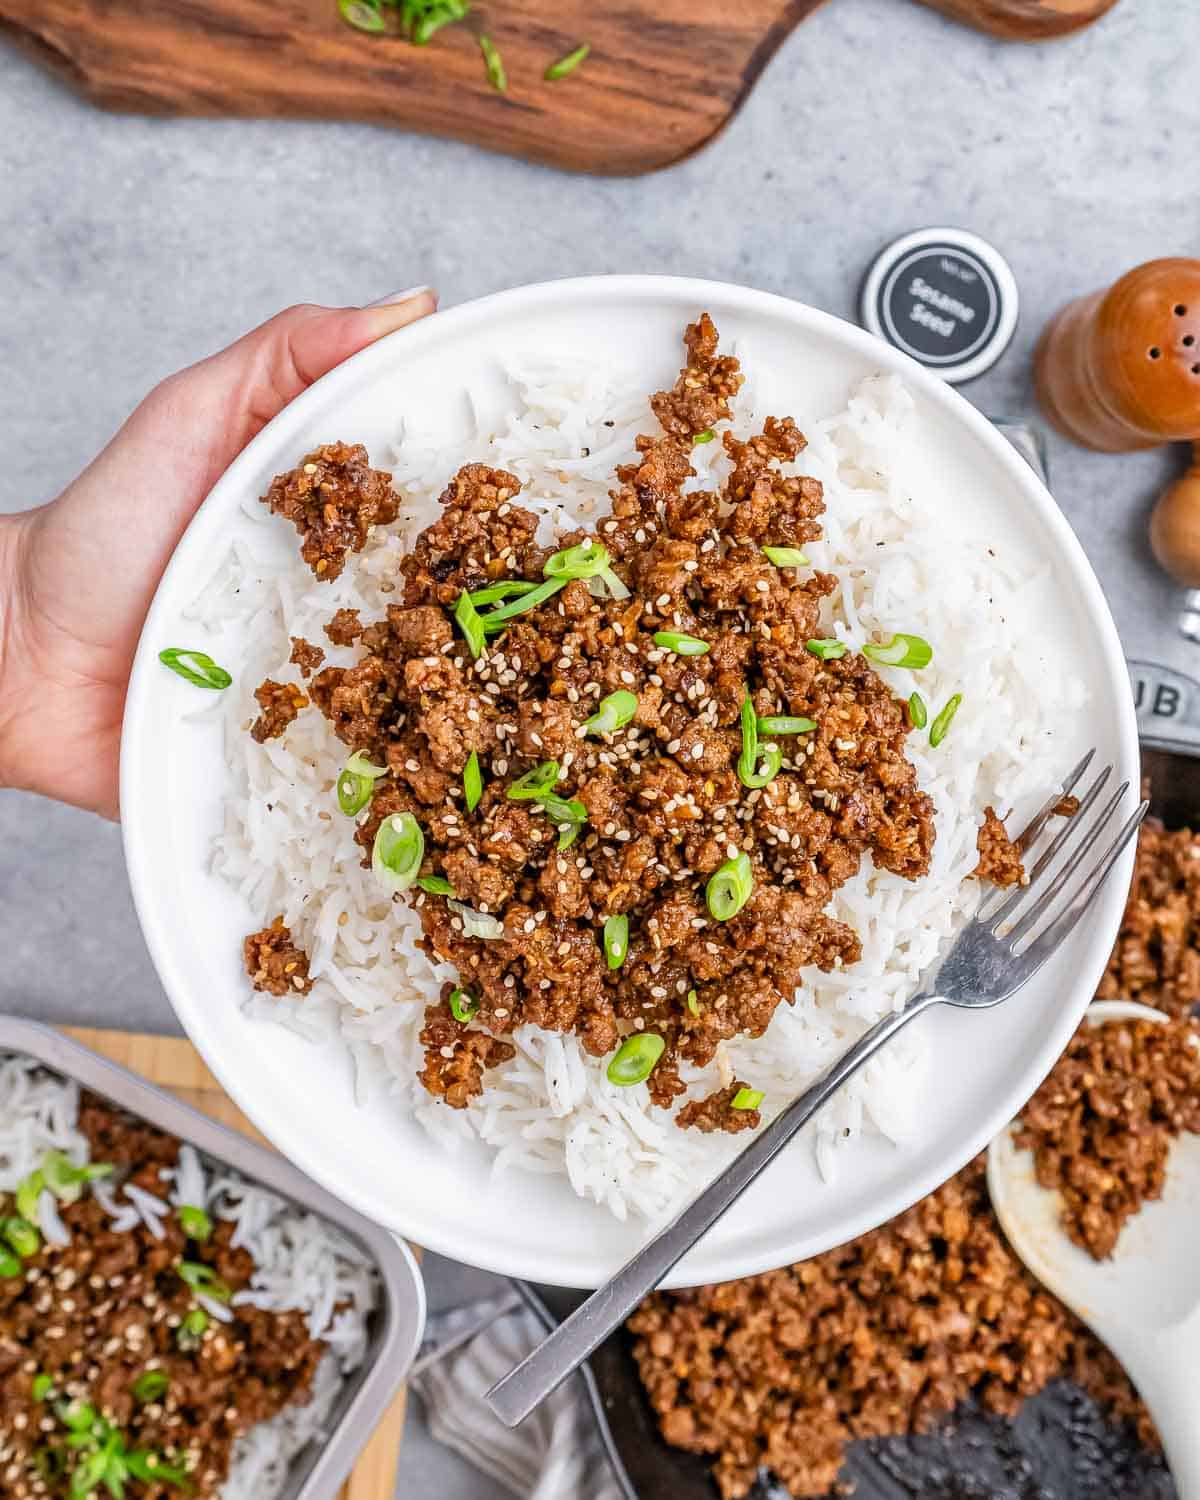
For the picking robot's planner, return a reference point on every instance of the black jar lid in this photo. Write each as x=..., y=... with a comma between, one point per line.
x=944, y=296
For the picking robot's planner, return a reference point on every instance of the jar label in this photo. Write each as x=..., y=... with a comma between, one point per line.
x=939, y=303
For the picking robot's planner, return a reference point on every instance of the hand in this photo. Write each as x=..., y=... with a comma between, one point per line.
x=77, y=576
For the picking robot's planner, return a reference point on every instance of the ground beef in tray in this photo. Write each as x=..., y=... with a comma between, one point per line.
x=84, y=1323
x=1157, y=955
x=663, y=800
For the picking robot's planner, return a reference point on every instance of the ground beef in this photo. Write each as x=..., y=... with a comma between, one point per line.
x=95, y=1315
x=280, y=703
x=999, y=856
x=883, y=1336
x=274, y=963
x=455, y=1057
x=717, y=1112
x=664, y=802
x=333, y=499
x=1102, y=1124
x=345, y=627
x=1157, y=954
x=306, y=656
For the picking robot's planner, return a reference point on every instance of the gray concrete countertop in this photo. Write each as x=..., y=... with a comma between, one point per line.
x=129, y=247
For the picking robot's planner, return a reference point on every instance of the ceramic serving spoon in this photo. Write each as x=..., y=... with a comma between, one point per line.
x=1144, y=1302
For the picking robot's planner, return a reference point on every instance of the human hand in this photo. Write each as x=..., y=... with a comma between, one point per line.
x=77, y=575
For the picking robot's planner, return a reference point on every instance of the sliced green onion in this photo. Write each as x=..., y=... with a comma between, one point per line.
x=504, y=590
x=191, y=1329
x=363, y=15
x=682, y=645
x=786, y=557
x=356, y=783
x=613, y=713
x=86, y=1478
x=704, y=437
x=785, y=724
x=616, y=941
x=584, y=561
x=497, y=77
x=746, y=1099
x=76, y=1416
x=29, y=1190
x=730, y=887
x=472, y=781
x=477, y=924
x=150, y=1468
x=563, y=809
x=757, y=764
x=567, y=64
x=827, y=650
x=196, y=667
x=470, y=622
x=150, y=1385
x=496, y=619
x=635, y=1059
x=424, y=18
x=770, y=760
x=22, y=1236
x=42, y=1386
x=693, y=1002
x=940, y=727
x=917, y=712
x=436, y=885
x=463, y=1006
x=10, y=1266
x=195, y=1223
x=534, y=785
x=397, y=852
x=616, y=587
x=65, y=1180
x=567, y=834
x=901, y=651
x=204, y=1279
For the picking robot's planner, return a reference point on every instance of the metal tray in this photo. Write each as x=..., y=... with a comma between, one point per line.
x=397, y=1324
x=1059, y=1447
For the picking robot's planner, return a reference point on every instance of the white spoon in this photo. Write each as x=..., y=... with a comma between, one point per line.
x=1144, y=1302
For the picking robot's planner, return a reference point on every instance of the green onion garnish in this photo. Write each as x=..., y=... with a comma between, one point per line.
x=21, y=1236
x=363, y=15
x=567, y=834
x=76, y=1416
x=504, y=590
x=563, y=810
x=150, y=1468
x=42, y=1386
x=150, y=1385
x=917, y=712
x=398, y=851
x=693, y=1002
x=191, y=1329
x=196, y=667
x=470, y=622
x=65, y=1180
x=682, y=645
x=785, y=724
x=421, y=19
x=746, y=1099
x=29, y=1190
x=534, y=785
x=567, y=64
x=704, y=437
x=195, y=1223
x=635, y=1059
x=827, y=650
x=204, y=1279
x=356, y=783
x=901, y=651
x=10, y=1266
x=472, y=781
x=940, y=727
x=477, y=924
x=730, y=887
x=463, y=1006
x=497, y=77
x=496, y=619
x=436, y=885
x=616, y=941
x=584, y=561
x=786, y=557
x=757, y=765
x=614, y=713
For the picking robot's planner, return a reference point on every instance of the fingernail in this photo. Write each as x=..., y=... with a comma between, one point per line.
x=405, y=296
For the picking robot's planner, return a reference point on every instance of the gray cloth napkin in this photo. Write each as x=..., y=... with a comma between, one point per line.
x=555, y=1454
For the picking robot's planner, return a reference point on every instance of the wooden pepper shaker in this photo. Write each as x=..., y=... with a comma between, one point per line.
x=1120, y=370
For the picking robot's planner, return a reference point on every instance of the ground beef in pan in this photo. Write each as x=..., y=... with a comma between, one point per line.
x=1157, y=955
x=280, y=702
x=333, y=499
x=274, y=963
x=999, y=857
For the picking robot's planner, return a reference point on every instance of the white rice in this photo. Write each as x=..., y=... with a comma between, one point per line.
x=301, y=1262
x=900, y=564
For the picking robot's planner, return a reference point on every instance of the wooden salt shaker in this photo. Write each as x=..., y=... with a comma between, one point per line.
x=1120, y=370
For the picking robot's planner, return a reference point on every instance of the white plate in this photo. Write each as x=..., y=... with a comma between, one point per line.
x=984, y=1065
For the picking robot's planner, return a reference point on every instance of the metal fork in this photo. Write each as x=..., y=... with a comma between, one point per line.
x=1010, y=937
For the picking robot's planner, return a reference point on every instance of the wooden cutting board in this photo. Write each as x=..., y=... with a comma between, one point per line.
x=663, y=76
x=175, y=1065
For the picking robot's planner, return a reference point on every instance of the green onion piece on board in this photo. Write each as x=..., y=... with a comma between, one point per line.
x=567, y=64
x=827, y=650
x=436, y=885
x=730, y=887
x=786, y=557
x=584, y=561
x=472, y=781
x=29, y=1190
x=195, y=1223
x=497, y=619
x=693, y=1002
x=150, y=1385
x=422, y=19
x=635, y=1059
x=682, y=645
x=10, y=1265
x=746, y=1099
x=363, y=15
x=470, y=622
x=616, y=941
x=534, y=785
x=42, y=1386
x=785, y=724
x=918, y=714
x=356, y=783
x=196, y=667
x=492, y=61
x=463, y=1006
x=21, y=1236
x=397, y=852
x=204, y=1279
x=504, y=590
x=940, y=727
x=901, y=651
x=757, y=764
x=704, y=437
x=613, y=713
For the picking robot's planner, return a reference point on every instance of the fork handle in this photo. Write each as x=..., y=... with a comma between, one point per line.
x=542, y=1371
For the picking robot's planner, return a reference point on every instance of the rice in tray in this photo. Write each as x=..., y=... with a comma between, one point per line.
x=313, y=1289
x=898, y=564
